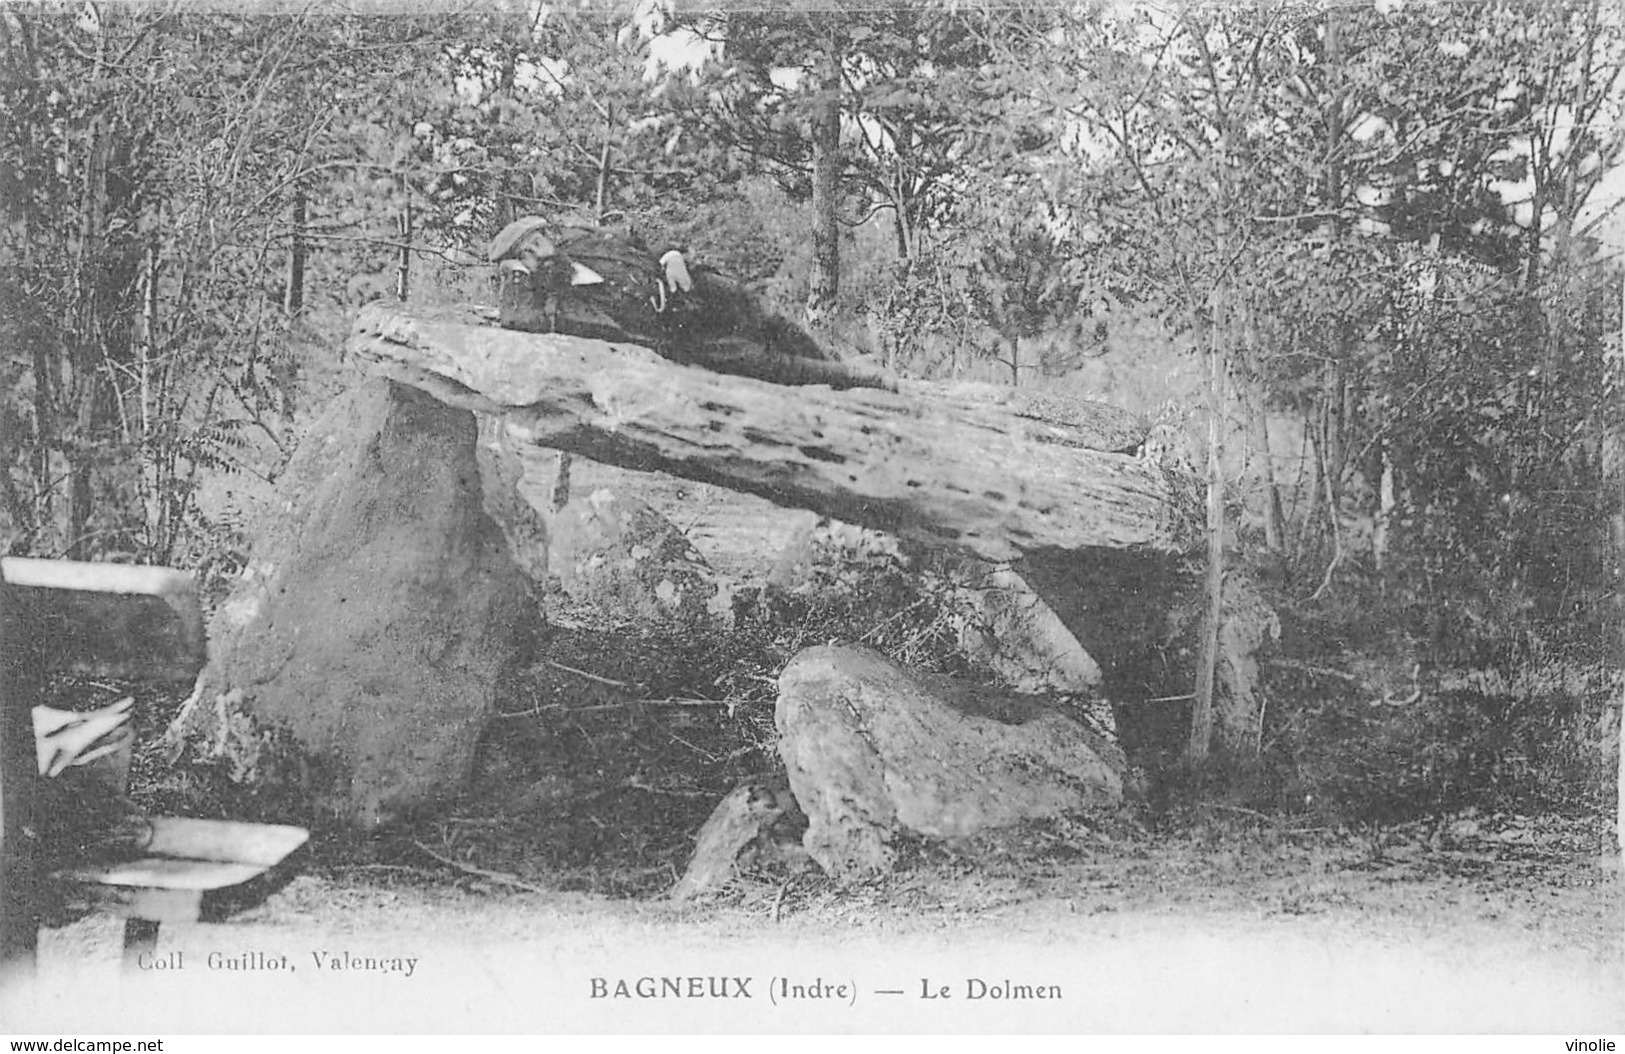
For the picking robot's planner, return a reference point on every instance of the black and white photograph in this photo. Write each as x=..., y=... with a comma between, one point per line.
x=700, y=517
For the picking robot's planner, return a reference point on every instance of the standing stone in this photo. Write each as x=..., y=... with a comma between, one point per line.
x=1008, y=628
x=514, y=496
x=873, y=749
x=741, y=822
x=376, y=614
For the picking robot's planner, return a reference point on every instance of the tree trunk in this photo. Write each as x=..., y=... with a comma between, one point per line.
x=1384, y=518
x=1255, y=399
x=86, y=333
x=293, y=296
x=513, y=199
x=1531, y=265
x=1334, y=528
x=601, y=185
x=47, y=374
x=1335, y=423
x=825, y=135
x=1274, y=513
x=1309, y=461
x=1201, y=730
x=1334, y=384
x=403, y=260
x=153, y=484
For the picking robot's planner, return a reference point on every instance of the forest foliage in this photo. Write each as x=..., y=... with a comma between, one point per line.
x=1370, y=242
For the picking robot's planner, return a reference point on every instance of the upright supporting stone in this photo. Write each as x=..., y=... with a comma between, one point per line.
x=374, y=619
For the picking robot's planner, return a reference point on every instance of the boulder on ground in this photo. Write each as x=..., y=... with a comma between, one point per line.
x=874, y=750
x=618, y=554
x=750, y=829
x=377, y=612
